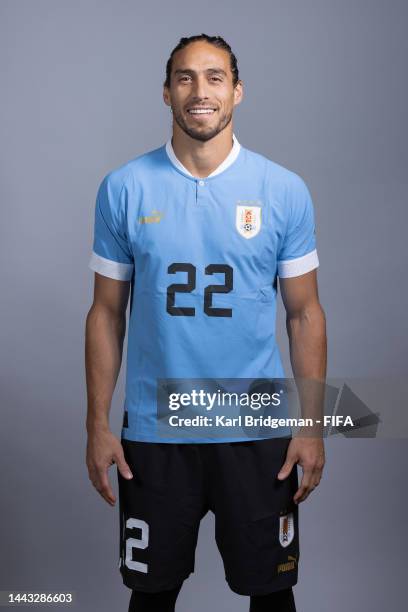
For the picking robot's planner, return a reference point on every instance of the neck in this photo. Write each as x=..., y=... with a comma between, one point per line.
x=201, y=158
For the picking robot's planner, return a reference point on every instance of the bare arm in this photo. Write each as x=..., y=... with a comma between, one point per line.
x=104, y=334
x=306, y=327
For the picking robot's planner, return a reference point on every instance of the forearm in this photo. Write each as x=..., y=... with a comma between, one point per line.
x=104, y=336
x=308, y=354
x=307, y=343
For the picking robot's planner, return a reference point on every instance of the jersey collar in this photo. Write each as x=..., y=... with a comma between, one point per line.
x=231, y=157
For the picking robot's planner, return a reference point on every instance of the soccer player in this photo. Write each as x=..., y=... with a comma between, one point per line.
x=198, y=231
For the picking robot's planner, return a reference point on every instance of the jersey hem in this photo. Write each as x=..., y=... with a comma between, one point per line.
x=158, y=440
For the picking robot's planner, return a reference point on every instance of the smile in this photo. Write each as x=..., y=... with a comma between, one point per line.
x=201, y=111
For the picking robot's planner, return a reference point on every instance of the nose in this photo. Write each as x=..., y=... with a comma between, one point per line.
x=200, y=87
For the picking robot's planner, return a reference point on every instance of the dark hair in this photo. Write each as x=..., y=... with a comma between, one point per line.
x=217, y=41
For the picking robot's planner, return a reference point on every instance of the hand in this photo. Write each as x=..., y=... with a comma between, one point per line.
x=104, y=449
x=309, y=453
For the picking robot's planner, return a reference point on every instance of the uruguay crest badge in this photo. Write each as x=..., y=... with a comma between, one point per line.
x=286, y=529
x=248, y=220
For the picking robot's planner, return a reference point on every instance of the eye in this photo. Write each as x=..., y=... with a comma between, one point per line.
x=183, y=78
x=215, y=79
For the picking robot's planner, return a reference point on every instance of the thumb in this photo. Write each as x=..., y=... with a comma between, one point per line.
x=123, y=467
x=286, y=468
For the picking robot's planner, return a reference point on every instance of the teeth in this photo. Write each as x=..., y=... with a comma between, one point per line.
x=201, y=111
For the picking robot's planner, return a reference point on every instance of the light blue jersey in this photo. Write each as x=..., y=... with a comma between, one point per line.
x=203, y=256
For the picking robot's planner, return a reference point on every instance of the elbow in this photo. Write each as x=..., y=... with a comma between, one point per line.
x=101, y=317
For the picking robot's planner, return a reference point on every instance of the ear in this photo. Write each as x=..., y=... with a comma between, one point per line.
x=166, y=96
x=238, y=93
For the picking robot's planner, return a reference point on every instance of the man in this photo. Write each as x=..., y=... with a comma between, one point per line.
x=199, y=230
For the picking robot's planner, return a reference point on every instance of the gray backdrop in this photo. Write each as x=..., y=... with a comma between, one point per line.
x=325, y=95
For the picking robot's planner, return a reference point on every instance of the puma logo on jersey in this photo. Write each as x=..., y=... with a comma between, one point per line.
x=289, y=565
x=248, y=220
x=155, y=217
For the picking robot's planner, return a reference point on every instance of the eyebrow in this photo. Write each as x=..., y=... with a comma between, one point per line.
x=212, y=70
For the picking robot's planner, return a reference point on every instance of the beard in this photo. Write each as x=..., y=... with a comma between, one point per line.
x=200, y=134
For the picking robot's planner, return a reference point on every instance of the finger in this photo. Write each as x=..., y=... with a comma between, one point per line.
x=286, y=468
x=104, y=487
x=103, y=494
x=304, y=494
x=317, y=477
x=305, y=486
x=123, y=467
x=309, y=482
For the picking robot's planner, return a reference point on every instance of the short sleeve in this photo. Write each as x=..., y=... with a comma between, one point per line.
x=111, y=255
x=297, y=254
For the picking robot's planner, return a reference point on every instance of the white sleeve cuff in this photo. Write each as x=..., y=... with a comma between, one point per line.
x=298, y=266
x=113, y=269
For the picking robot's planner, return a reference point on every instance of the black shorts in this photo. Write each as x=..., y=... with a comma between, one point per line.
x=174, y=486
